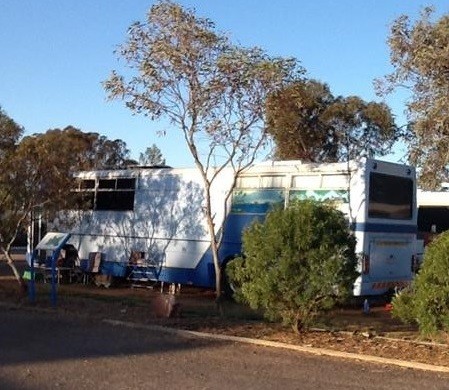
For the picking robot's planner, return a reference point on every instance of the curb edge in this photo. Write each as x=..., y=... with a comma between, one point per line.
x=276, y=344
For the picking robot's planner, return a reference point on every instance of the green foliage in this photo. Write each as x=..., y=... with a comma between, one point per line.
x=152, y=156
x=37, y=175
x=427, y=301
x=297, y=263
x=212, y=90
x=309, y=123
x=403, y=307
x=420, y=57
x=10, y=133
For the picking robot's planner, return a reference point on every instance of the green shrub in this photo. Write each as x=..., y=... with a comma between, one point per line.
x=297, y=263
x=403, y=306
x=427, y=301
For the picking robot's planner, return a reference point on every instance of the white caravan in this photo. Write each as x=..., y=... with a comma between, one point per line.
x=149, y=224
x=433, y=216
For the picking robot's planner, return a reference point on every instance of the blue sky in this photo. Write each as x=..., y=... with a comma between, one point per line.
x=56, y=53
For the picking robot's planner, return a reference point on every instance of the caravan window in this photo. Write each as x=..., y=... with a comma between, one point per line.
x=306, y=181
x=87, y=184
x=110, y=194
x=390, y=196
x=248, y=182
x=340, y=181
x=335, y=196
x=126, y=184
x=256, y=201
x=115, y=200
x=107, y=184
x=84, y=194
x=116, y=194
x=278, y=181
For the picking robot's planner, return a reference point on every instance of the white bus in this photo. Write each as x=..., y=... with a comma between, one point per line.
x=148, y=223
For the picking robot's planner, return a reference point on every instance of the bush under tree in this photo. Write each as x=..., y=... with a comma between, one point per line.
x=297, y=263
x=426, y=302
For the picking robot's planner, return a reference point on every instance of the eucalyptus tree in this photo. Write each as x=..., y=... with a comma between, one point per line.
x=309, y=123
x=211, y=90
x=37, y=176
x=10, y=133
x=152, y=156
x=419, y=53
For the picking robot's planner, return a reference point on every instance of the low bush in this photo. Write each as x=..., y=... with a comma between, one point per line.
x=297, y=263
x=427, y=300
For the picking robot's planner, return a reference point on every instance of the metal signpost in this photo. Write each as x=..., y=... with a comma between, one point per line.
x=51, y=242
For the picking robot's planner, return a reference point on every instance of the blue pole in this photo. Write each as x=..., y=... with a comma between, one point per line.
x=54, y=294
x=32, y=287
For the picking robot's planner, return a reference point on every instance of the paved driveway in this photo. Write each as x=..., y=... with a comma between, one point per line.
x=52, y=351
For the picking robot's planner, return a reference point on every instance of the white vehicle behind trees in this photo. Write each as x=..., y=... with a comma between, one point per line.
x=148, y=223
x=433, y=216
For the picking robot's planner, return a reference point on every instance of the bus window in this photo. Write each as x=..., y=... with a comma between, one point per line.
x=390, y=196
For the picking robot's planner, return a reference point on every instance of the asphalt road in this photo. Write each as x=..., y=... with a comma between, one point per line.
x=52, y=351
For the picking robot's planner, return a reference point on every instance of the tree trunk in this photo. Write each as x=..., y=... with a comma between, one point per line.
x=297, y=325
x=10, y=262
x=217, y=267
x=214, y=249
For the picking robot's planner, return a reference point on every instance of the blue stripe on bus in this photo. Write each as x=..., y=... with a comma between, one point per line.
x=383, y=227
x=204, y=274
x=236, y=223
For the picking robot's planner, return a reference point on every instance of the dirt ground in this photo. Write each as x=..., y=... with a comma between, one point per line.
x=344, y=329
